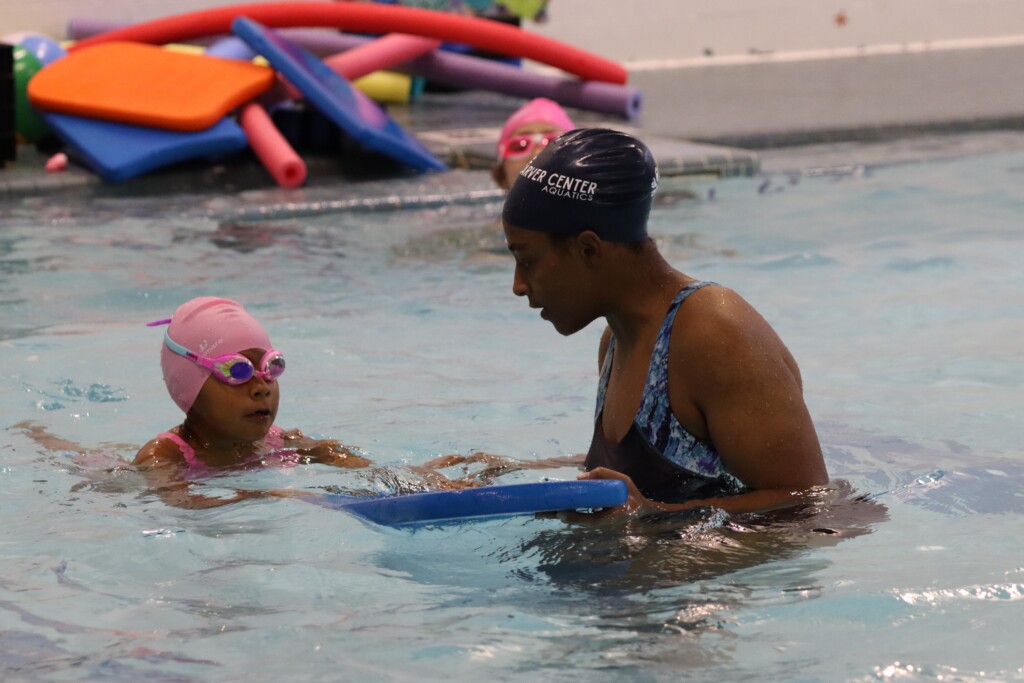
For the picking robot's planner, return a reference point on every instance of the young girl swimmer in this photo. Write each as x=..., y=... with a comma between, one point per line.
x=525, y=133
x=222, y=371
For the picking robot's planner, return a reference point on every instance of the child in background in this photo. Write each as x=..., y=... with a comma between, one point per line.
x=222, y=371
x=526, y=132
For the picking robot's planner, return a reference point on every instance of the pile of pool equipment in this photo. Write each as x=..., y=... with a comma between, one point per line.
x=126, y=100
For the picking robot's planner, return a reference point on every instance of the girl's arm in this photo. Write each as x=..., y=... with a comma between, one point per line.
x=325, y=451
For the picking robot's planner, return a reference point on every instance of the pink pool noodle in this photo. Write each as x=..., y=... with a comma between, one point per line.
x=382, y=53
x=273, y=151
x=373, y=55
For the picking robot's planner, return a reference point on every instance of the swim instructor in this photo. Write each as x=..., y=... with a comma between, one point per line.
x=699, y=402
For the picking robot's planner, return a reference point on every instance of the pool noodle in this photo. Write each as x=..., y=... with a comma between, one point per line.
x=373, y=55
x=334, y=96
x=271, y=147
x=231, y=47
x=387, y=87
x=382, y=53
x=382, y=85
x=474, y=72
x=373, y=18
x=280, y=159
x=273, y=151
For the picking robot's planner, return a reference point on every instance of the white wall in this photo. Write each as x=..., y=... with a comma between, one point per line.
x=642, y=30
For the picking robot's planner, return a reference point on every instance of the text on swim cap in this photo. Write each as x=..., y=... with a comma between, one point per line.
x=559, y=184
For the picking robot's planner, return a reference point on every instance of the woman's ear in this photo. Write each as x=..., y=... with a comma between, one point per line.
x=590, y=245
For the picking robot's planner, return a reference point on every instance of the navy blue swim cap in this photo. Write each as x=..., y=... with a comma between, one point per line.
x=588, y=179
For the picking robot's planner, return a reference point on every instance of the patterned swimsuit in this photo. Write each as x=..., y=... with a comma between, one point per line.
x=665, y=461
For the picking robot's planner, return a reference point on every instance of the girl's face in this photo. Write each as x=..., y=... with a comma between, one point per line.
x=508, y=168
x=237, y=412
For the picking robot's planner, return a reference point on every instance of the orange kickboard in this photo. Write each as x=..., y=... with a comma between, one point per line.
x=146, y=85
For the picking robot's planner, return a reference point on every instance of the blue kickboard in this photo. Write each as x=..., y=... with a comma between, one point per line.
x=119, y=151
x=347, y=107
x=483, y=502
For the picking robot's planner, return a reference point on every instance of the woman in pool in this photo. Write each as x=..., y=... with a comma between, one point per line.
x=222, y=371
x=699, y=402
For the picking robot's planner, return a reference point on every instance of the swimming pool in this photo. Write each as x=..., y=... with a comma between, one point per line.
x=897, y=286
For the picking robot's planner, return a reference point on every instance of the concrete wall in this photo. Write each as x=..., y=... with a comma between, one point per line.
x=647, y=33
x=652, y=31
x=741, y=69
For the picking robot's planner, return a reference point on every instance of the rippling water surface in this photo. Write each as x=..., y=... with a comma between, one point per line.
x=899, y=289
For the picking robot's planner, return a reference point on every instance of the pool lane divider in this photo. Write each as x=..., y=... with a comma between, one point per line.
x=485, y=502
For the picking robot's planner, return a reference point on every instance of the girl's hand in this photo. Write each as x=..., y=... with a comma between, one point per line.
x=332, y=452
x=324, y=451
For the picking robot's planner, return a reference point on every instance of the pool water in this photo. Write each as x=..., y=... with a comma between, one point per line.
x=898, y=287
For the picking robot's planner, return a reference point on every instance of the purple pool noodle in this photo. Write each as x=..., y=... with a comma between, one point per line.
x=474, y=72
x=466, y=71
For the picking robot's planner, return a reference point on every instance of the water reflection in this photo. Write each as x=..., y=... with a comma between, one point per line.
x=670, y=549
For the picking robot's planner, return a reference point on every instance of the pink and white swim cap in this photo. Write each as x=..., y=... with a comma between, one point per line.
x=211, y=327
x=540, y=110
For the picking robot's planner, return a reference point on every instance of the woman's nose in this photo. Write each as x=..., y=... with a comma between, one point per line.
x=519, y=286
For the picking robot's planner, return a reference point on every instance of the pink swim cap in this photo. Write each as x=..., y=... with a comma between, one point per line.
x=211, y=327
x=540, y=110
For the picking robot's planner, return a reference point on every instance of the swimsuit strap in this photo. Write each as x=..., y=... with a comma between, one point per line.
x=657, y=373
x=187, y=451
x=654, y=404
x=274, y=440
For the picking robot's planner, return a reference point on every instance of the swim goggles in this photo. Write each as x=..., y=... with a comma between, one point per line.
x=233, y=368
x=521, y=145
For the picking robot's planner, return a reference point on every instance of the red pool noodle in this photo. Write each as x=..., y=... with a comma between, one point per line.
x=373, y=18
x=273, y=151
x=463, y=71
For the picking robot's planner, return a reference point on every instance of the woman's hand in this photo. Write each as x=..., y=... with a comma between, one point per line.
x=636, y=502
